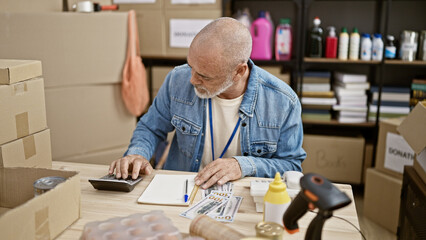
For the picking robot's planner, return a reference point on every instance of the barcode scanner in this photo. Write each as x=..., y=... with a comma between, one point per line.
x=316, y=192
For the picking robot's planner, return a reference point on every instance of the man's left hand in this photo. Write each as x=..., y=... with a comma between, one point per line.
x=220, y=171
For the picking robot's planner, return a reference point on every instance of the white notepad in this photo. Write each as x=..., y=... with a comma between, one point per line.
x=168, y=190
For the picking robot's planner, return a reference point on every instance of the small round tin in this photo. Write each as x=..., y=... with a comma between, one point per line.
x=269, y=230
x=43, y=185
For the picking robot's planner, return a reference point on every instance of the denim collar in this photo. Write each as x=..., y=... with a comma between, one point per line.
x=250, y=96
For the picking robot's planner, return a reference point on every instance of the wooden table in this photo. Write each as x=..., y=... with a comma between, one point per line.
x=101, y=205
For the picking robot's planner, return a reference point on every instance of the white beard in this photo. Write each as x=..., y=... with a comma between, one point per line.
x=207, y=94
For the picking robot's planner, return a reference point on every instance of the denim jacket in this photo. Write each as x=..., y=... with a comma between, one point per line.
x=271, y=131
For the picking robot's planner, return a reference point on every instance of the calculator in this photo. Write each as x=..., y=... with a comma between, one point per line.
x=110, y=183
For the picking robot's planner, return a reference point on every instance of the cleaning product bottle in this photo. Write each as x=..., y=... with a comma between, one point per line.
x=261, y=33
x=245, y=18
x=377, y=47
x=365, y=47
x=276, y=201
x=331, y=43
x=315, y=39
x=343, y=44
x=354, y=45
x=283, y=40
x=390, y=49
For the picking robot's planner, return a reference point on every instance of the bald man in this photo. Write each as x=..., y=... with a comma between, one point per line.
x=232, y=119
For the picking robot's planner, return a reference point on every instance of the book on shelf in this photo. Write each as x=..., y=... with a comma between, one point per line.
x=362, y=86
x=346, y=113
x=316, y=77
x=316, y=114
x=386, y=89
x=350, y=108
x=391, y=103
x=417, y=86
x=328, y=94
x=362, y=101
x=321, y=107
x=350, y=78
x=373, y=115
x=316, y=87
x=419, y=81
x=344, y=119
x=348, y=92
x=390, y=109
x=318, y=101
x=388, y=96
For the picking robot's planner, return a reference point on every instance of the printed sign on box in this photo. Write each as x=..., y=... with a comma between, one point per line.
x=398, y=153
x=183, y=31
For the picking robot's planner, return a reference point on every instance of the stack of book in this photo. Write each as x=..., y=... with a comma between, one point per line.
x=317, y=97
x=395, y=102
x=418, y=91
x=350, y=90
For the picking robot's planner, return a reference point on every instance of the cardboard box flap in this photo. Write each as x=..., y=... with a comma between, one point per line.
x=17, y=183
x=413, y=128
x=12, y=71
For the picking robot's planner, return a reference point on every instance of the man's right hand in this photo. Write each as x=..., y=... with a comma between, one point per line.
x=136, y=164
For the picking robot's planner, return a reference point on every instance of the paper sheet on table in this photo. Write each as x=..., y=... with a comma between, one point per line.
x=167, y=189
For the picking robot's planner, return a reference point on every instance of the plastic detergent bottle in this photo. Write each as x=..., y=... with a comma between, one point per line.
x=377, y=47
x=331, y=43
x=315, y=39
x=276, y=201
x=343, y=44
x=245, y=18
x=354, y=45
x=365, y=47
x=390, y=49
x=283, y=40
x=261, y=33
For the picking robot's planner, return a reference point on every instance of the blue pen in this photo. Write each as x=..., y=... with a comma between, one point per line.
x=186, y=191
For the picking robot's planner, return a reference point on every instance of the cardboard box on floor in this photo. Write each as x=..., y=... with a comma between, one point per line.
x=382, y=198
x=75, y=48
x=86, y=119
x=393, y=152
x=24, y=216
x=30, y=6
x=340, y=159
x=276, y=71
x=159, y=73
x=12, y=71
x=104, y=157
x=30, y=151
x=22, y=109
x=413, y=129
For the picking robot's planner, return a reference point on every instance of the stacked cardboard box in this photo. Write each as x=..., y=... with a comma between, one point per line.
x=24, y=138
x=82, y=63
x=167, y=28
x=401, y=142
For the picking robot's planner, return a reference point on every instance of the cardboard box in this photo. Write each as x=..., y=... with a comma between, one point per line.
x=104, y=157
x=392, y=152
x=30, y=6
x=340, y=159
x=42, y=217
x=12, y=71
x=30, y=151
x=151, y=28
x=217, y=5
x=179, y=37
x=22, y=109
x=276, y=71
x=368, y=159
x=86, y=119
x=413, y=129
x=75, y=48
x=158, y=76
x=382, y=198
x=157, y=5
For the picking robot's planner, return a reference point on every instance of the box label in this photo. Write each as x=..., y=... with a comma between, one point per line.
x=183, y=31
x=398, y=153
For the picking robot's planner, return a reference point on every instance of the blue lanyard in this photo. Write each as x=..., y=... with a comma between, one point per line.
x=211, y=132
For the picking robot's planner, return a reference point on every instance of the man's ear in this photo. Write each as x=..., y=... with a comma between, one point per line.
x=240, y=71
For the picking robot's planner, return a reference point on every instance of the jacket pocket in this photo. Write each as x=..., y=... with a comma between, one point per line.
x=263, y=149
x=186, y=134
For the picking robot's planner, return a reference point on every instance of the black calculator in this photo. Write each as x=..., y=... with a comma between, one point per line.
x=110, y=183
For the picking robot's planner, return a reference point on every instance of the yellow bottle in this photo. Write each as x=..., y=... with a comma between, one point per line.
x=276, y=201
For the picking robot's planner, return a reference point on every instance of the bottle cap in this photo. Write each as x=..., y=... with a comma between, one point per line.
x=277, y=193
x=355, y=30
x=262, y=14
x=317, y=21
x=344, y=30
x=377, y=35
x=390, y=37
x=285, y=21
x=331, y=31
x=365, y=35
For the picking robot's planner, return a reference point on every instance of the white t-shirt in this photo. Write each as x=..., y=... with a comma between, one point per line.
x=225, y=118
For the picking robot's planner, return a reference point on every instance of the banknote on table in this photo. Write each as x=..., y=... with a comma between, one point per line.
x=227, y=187
x=208, y=204
x=227, y=212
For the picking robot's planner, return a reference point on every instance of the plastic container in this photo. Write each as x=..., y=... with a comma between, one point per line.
x=343, y=44
x=261, y=33
x=315, y=39
x=390, y=49
x=354, y=45
x=276, y=201
x=245, y=18
x=377, y=47
x=331, y=43
x=283, y=40
x=366, y=46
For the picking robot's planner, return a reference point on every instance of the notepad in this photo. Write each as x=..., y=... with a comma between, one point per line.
x=167, y=189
